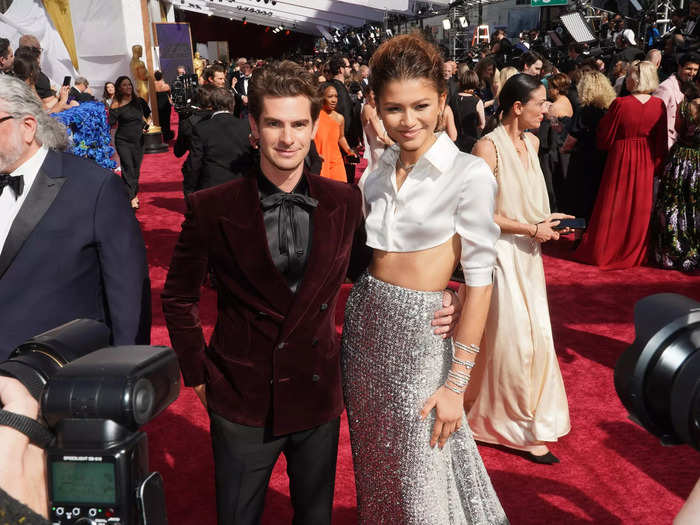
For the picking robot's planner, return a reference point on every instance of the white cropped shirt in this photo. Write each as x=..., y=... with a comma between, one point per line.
x=447, y=192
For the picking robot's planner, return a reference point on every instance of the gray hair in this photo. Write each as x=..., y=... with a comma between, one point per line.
x=19, y=100
x=81, y=81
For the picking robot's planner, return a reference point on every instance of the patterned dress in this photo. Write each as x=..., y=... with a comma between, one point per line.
x=676, y=217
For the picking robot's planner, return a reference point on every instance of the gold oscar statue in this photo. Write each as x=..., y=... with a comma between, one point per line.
x=198, y=64
x=139, y=72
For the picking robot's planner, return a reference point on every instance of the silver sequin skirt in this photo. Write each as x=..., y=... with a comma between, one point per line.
x=392, y=363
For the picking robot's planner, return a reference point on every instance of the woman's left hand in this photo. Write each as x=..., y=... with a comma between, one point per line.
x=446, y=318
x=449, y=409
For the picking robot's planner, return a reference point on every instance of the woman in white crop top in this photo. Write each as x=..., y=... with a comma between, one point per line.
x=427, y=206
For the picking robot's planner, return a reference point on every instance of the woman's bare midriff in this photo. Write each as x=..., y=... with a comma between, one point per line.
x=426, y=270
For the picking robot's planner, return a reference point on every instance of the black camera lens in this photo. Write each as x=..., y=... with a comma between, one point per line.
x=34, y=362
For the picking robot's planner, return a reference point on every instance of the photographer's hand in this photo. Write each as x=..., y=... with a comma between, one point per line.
x=22, y=464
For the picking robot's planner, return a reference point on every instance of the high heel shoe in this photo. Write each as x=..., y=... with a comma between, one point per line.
x=545, y=459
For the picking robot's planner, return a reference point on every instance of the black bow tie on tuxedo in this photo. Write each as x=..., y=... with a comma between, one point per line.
x=287, y=226
x=16, y=183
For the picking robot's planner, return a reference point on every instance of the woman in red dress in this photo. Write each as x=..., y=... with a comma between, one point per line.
x=634, y=133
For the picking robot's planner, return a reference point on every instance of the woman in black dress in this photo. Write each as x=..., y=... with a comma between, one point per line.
x=131, y=114
x=469, y=112
x=552, y=133
x=164, y=106
x=595, y=93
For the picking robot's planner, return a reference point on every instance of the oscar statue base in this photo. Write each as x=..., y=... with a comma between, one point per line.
x=153, y=141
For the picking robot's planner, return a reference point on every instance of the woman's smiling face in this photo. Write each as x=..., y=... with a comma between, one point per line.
x=410, y=110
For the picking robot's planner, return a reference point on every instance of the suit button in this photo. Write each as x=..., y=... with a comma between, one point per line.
x=281, y=346
x=315, y=378
x=324, y=307
x=314, y=342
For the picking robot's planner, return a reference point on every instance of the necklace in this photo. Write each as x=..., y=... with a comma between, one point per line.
x=405, y=167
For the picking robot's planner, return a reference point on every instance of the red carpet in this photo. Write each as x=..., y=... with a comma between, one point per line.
x=611, y=470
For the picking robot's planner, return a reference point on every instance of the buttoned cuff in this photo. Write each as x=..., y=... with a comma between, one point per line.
x=478, y=276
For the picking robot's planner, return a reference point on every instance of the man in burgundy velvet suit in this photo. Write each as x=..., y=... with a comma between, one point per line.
x=280, y=244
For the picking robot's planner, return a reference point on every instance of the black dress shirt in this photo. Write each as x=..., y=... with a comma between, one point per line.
x=288, y=225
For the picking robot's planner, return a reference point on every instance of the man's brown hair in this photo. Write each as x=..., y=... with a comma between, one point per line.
x=282, y=79
x=209, y=72
x=406, y=57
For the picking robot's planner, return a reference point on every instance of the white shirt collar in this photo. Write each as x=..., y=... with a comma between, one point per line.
x=30, y=167
x=440, y=155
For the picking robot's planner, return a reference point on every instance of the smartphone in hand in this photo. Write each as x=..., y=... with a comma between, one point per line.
x=572, y=224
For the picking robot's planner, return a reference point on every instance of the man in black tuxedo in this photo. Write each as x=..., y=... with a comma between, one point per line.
x=241, y=90
x=70, y=245
x=221, y=149
x=201, y=110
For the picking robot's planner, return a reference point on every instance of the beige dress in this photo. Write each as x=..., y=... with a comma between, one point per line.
x=516, y=394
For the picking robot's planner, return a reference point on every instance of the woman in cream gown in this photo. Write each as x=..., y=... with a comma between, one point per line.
x=516, y=396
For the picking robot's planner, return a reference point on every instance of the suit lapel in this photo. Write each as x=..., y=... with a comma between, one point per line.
x=327, y=228
x=40, y=197
x=244, y=229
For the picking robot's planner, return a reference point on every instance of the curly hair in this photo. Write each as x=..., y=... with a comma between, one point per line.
x=594, y=89
x=406, y=57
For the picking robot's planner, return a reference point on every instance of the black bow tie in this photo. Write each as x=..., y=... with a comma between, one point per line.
x=16, y=183
x=287, y=227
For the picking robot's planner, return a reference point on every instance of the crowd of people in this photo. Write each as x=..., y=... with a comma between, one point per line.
x=475, y=163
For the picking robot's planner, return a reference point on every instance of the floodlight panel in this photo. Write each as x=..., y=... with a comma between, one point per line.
x=577, y=27
x=446, y=24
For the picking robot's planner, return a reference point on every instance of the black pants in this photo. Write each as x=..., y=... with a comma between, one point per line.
x=130, y=156
x=245, y=456
x=350, y=170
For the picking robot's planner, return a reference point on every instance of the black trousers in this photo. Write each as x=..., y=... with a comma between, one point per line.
x=130, y=157
x=245, y=456
x=350, y=170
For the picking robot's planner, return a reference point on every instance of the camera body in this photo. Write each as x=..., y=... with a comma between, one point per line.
x=97, y=485
x=183, y=92
x=95, y=398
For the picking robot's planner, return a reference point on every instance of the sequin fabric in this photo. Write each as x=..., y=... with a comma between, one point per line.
x=392, y=363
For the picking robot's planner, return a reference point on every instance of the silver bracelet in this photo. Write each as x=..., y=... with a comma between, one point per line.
x=471, y=348
x=467, y=364
x=455, y=390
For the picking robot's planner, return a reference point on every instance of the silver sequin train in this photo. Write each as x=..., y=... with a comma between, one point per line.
x=392, y=363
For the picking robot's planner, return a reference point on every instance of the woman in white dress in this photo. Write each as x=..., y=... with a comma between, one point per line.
x=516, y=397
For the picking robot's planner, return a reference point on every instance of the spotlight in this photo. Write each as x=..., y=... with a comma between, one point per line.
x=389, y=33
x=577, y=27
x=446, y=25
x=658, y=377
x=463, y=21
x=287, y=32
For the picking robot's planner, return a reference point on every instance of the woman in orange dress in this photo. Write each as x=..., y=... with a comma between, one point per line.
x=330, y=136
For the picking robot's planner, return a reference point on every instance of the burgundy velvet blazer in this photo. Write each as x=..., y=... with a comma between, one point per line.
x=272, y=352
